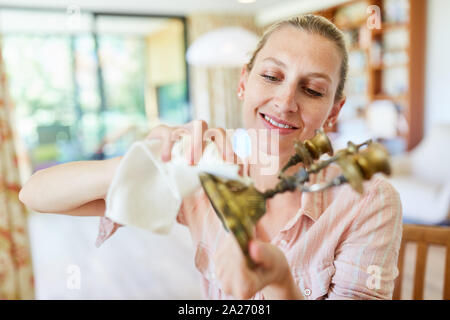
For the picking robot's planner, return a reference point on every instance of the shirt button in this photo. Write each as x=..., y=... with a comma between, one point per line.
x=307, y=292
x=283, y=242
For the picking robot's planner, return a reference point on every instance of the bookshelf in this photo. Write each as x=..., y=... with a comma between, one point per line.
x=386, y=63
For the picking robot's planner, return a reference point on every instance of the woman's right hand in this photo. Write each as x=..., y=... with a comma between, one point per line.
x=199, y=133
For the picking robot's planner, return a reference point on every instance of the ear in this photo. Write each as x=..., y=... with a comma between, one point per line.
x=337, y=106
x=242, y=81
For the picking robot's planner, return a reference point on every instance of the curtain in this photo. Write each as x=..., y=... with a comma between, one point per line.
x=214, y=90
x=16, y=275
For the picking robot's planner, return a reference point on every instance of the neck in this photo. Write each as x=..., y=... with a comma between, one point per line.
x=282, y=206
x=265, y=176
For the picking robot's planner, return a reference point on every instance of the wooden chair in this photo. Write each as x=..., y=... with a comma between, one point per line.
x=423, y=236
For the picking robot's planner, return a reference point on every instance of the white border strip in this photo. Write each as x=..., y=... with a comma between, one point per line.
x=281, y=11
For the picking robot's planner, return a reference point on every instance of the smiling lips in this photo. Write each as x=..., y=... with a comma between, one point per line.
x=274, y=123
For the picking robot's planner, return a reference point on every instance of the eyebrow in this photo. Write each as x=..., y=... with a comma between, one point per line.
x=276, y=61
x=311, y=74
x=319, y=75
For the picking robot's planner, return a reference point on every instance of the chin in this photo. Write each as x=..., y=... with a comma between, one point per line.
x=284, y=145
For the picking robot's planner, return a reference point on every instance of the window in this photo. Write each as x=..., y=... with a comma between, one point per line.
x=89, y=88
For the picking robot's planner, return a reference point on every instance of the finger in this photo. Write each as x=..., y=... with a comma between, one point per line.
x=261, y=253
x=166, y=149
x=197, y=129
x=183, y=134
x=220, y=139
x=162, y=133
x=230, y=155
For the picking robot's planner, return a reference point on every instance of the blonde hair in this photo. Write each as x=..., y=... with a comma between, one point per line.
x=315, y=25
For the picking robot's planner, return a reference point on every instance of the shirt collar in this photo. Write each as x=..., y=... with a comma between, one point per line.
x=312, y=204
x=311, y=207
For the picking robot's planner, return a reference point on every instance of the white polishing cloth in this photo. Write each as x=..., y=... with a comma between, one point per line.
x=147, y=193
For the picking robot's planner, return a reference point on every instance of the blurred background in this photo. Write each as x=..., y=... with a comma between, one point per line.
x=83, y=80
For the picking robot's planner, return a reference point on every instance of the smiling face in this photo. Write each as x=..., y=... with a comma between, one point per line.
x=292, y=86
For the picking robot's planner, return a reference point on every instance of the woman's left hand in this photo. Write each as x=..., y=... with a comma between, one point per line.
x=236, y=278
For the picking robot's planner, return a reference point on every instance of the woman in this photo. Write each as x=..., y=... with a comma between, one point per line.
x=330, y=245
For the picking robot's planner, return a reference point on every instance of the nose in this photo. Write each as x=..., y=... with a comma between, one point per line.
x=285, y=100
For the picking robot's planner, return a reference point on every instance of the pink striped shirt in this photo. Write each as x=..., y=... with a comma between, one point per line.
x=339, y=244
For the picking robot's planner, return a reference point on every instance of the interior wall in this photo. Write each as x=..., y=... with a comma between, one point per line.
x=437, y=84
x=165, y=63
x=166, y=54
x=213, y=90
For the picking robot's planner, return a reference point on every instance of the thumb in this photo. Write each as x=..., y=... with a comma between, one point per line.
x=261, y=253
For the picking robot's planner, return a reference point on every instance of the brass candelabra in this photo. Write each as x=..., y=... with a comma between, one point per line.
x=239, y=206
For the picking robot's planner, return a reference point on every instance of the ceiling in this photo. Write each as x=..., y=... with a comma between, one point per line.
x=166, y=7
x=265, y=11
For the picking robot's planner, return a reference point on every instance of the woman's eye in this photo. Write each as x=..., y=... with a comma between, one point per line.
x=270, y=78
x=313, y=93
